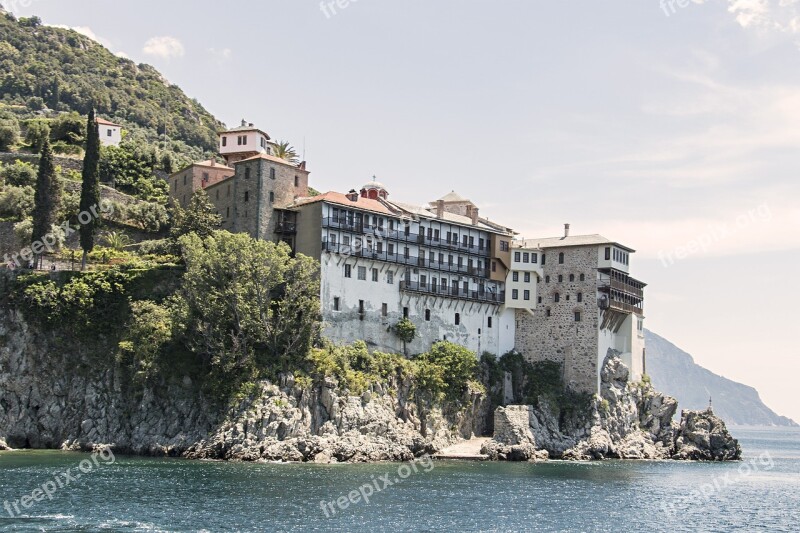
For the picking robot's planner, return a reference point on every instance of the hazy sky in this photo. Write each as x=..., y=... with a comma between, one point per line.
x=673, y=130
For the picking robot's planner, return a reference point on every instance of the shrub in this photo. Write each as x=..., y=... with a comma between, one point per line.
x=149, y=216
x=16, y=202
x=9, y=134
x=19, y=174
x=447, y=369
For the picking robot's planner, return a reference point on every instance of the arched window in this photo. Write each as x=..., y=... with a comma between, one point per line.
x=572, y=277
x=583, y=277
x=561, y=258
x=556, y=297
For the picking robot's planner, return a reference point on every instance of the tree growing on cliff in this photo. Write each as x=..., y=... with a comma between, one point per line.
x=90, y=189
x=406, y=331
x=46, y=201
x=249, y=307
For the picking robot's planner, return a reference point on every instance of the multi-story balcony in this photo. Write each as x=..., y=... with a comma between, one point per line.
x=408, y=260
x=625, y=293
x=453, y=291
x=361, y=228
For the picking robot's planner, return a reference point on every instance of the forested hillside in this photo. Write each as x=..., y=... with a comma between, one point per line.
x=47, y=71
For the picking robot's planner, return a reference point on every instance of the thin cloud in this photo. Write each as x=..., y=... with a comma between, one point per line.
x=164, y=47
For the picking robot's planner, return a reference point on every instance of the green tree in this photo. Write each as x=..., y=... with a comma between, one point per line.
x=248, y=305
x=69, y=128
x=9, y=134
x=406, y=331
x=16, y=202
x=38, y=131
x=200, y=217
x=286, y=151
x=46, y=200
x=19, y=174
x=90, y=189
x=458, y=364
x=150, y=216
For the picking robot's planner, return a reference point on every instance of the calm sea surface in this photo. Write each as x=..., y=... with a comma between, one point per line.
x=132, y=494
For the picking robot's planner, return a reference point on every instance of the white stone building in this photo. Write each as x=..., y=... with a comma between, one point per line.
x=244, y=142
x=110, y=133
x=383, y=260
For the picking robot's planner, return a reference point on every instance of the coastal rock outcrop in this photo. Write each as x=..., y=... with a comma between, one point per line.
x=60, y=393
x=626, y=421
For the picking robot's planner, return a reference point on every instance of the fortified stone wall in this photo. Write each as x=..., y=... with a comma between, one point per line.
x=559, y=337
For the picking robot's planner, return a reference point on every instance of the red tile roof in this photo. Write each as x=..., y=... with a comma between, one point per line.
x=363, y=204
x=104, y=122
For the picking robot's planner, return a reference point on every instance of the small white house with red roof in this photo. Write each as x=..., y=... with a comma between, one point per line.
x=110, y=133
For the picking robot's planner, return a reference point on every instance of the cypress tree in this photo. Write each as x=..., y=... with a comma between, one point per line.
x=90, y=189
x=46, y=199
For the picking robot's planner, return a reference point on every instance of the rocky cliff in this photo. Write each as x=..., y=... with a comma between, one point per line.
x=626, y=421
x=59, y=393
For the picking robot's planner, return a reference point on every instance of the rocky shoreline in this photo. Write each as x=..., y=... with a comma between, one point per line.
x=57, y=395
x=627, y=421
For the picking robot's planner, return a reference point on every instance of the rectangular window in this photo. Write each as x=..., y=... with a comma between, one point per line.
x=515, y=294
x=375, y=274
x=503, y=246
x=527, y=295
x=427, y=315
x=272, y=173
x=494, y=266
x=380, y=248
x=406, y=252
x=390, y=249
x=527, y=277
x=346, y=240
x=348, y=271
x=246, y=196
x=472, y=242
x=518, y=256
x=385, y=310
x=224, y=141
x=489, y=322
x=577, y=316
x=608, y=253
x=296, y=181
x=362, y=273
x=526, y=257
x=534, y=258
x=390, y=277
x=361, y=309
x=544, y=259
x=109, y=133
x=458, y=319
x=423, y=280
x=580, y=297
x=336, y=303
x=436, y=235
x=481, y=244
x=405, y=312
x=465, y=241
x=515, y=276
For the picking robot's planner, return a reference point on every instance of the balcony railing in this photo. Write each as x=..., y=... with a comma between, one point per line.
x=626, y=307
x=627, y=288
x=453, y=291
x=408, y=260
x=382, y=232
x=286, y=228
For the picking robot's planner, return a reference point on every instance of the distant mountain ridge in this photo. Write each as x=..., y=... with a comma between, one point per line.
x=674, y=372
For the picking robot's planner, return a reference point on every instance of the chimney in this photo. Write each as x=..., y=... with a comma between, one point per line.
x=251, y=125
x=352, y=195
x=213, y=162
x=244, y=123
x=439, y=208
x=474, y=215
x=566, y=230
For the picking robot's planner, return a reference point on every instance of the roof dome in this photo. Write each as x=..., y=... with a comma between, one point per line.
x=374, y=189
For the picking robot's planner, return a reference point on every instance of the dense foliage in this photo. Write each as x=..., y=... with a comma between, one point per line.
x=199, y=218
x=47, y=198
x=58, y=69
